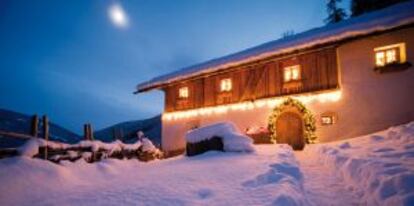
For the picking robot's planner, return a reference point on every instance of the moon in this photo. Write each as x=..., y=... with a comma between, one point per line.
x=118, y=16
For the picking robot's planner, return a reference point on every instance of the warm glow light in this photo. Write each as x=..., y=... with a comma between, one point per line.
x=380, y=58
x=225, y=85
x=183, y=92
x=287, y=74
x=291, y=73
x=118, y=16
x=390, y=54
x=332, y=96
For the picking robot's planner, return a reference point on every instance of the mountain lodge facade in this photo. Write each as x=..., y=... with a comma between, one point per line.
x=329, y=83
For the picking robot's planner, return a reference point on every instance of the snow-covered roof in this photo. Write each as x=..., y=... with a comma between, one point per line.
x=381, y=20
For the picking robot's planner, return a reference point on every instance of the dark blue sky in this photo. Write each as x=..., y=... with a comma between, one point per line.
x=66, y=59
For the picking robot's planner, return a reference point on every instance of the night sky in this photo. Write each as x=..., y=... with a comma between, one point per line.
x=68, y=60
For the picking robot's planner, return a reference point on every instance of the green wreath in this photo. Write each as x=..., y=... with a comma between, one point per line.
x=309, y=120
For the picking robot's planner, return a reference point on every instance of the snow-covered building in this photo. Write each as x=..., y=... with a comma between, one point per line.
x=338, y=81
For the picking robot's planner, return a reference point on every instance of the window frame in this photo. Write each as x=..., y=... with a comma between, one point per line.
x=224, y=88
x=181, y=95
x=400, y=54
x=290, y=69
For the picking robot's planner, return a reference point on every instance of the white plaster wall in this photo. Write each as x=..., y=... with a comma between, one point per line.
x=370, y=101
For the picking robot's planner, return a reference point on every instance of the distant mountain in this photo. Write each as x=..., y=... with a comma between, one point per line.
x=127, y=131
x=21, y=123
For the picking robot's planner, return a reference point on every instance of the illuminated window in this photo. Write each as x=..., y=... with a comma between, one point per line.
x=291, y=73
x=390, y=54
x=225, y=85
x=327, y=120
x=183, y=92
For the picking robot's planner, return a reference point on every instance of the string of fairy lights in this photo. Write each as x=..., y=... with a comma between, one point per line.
x=331, y=96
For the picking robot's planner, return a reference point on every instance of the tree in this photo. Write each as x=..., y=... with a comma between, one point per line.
x=359, y=7
x=288, y=33
x=335, y=14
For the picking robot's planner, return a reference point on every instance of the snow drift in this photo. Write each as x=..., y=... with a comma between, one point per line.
x=233, y=139
x=269, y=176
x=381, y=164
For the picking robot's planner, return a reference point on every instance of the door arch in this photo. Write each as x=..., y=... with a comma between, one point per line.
x=308, y=122
x=289, y=129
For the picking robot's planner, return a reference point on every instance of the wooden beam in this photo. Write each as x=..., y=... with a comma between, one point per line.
x=35, y=125
x=15, y=135
x=46, y=132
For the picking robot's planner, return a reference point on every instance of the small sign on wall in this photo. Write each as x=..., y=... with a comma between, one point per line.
x=328, y=118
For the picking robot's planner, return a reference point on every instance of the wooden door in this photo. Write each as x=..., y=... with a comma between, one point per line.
x=289, y=130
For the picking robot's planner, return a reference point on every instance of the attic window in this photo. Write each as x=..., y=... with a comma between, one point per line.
x=391, y=54
x=183, y=93
x=292, y=73
x=225, y=85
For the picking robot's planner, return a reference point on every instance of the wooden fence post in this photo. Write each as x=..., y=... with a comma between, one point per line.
x=86, y=131
x=35, y=125
x=46, y=132
x=91, y=137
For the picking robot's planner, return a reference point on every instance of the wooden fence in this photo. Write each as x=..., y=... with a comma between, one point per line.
x=56, y=152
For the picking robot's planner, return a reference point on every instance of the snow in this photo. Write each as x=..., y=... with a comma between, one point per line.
x=382, y=20
x=376, y=169
x=214, y=178
x=379, y=166
x=29, y=148
x=147, y=145
x=233, y=139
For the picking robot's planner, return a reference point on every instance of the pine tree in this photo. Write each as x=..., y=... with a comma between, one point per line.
x=335, y=14
x=359, y=7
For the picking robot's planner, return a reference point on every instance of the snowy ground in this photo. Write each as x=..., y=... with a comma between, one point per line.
x=376, y=169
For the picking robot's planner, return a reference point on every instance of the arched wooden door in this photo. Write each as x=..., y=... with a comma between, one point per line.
x=289, y=130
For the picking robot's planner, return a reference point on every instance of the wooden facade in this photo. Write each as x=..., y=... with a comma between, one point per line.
x=257, y=80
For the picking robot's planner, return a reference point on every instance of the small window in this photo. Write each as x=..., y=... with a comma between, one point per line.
x=183, y=93
x=391, y=54
x=225, y=85
x=328, y=118
x=291, y=73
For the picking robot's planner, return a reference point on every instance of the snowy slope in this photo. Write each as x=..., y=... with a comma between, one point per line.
x=381, y=20
x=21, y=123
x=376, y=169
x=381, y=165
x=151, y=128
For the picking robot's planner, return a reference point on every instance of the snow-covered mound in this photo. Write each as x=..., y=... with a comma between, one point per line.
x=381, y=165
x=269, y=176
x=233, y=139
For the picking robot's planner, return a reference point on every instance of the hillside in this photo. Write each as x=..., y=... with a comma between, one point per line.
x=21, y=123
x=127, y=131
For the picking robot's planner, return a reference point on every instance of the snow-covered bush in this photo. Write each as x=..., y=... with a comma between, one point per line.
x=233, y=139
